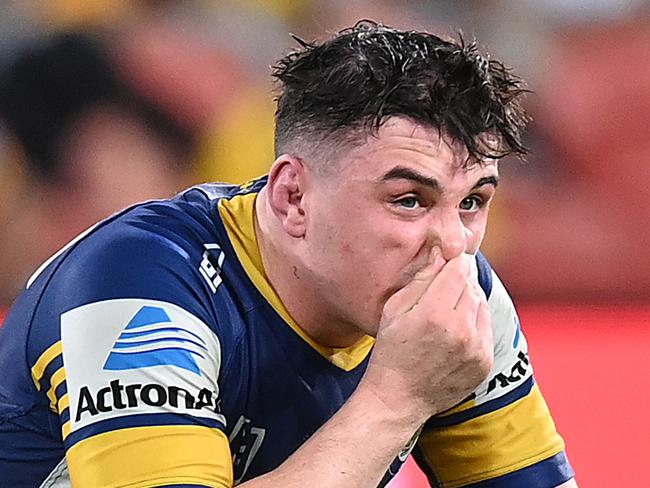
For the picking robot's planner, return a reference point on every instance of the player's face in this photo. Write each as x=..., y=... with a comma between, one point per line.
x=376, y=217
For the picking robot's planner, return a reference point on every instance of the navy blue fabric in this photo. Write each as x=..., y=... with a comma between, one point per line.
x=546, y=474
x=274, y=389
x=269, y=376
x=484, y=274
x=457, y=418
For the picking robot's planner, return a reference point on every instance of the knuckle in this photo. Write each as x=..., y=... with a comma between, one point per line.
x=463, y=342
x=486, y=364
x=465, y=345
x=481, y=359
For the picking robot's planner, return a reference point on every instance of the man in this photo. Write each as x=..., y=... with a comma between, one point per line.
x=305, y=329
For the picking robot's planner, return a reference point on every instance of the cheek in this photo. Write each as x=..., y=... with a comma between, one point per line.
x=393, y=243
x=392, y=254
x=374, y=248
x=376, y=252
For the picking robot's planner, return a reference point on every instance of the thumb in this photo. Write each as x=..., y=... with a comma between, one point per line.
x=408, y=296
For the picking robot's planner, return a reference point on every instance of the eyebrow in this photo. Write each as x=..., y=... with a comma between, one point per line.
x=486, y=180
x=402, y=173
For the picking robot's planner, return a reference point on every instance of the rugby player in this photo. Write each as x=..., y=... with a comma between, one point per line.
x=310, y=328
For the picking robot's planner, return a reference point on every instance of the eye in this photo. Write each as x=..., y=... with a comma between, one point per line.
x=409, y=202
x=471, y=204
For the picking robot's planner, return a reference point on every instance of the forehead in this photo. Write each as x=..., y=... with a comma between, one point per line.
x=402, y=142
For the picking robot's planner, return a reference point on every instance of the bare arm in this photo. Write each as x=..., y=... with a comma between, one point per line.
x=353, y=449
x=433, y=347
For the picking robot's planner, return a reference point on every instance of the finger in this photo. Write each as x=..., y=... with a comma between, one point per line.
x=423, y=278
x=474, y=268
x=408, y=296
x=484, y=329
x=448, y=286
x=469, y=300
x=473, y=289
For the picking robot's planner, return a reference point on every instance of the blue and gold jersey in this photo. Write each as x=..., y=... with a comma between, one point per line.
x=152, y=351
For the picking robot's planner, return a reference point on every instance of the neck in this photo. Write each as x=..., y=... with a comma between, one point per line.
x=295, y=285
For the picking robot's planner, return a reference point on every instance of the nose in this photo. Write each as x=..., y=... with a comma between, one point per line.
x=451, y=235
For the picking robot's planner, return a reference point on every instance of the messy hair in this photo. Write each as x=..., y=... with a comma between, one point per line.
x=346, y=87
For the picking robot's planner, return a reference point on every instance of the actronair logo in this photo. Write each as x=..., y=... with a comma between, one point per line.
x=517, y=373
x=151, y=339
x=117, y=396
x=129, y=357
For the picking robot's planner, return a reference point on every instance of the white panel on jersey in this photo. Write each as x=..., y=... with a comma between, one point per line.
x=511, y=365
x=133, y=356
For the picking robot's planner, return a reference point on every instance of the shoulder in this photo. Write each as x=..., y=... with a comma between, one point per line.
x=157, y=259
x=146, y=256
x=145, y=249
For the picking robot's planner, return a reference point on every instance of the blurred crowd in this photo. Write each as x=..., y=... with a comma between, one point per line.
x=107, y=103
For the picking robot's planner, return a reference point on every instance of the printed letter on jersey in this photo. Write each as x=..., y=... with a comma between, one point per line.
x=131, y=356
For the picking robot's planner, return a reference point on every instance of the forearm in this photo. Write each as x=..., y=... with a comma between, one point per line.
x=354, y=448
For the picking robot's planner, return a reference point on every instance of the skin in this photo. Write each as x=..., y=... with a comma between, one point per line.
x=376, y=247
x=358, y=233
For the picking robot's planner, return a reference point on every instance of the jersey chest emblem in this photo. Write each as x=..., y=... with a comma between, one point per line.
x=211, y=264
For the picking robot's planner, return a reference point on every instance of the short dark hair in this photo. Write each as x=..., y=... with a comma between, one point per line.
x=367, y=73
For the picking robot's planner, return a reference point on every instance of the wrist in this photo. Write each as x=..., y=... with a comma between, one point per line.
x=395, y=407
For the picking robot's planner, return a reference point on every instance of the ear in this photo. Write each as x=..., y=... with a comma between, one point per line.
x=285, y=188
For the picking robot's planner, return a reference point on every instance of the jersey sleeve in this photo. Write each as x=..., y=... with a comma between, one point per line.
x=134, y=377
x=503, y=435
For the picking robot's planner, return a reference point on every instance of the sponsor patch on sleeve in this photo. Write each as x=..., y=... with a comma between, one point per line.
x=128, y=358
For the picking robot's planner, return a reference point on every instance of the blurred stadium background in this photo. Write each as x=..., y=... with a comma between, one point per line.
x=107, y=102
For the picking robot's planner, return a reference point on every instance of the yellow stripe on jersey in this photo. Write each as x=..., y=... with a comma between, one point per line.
x=249, y=183
x=152, y=456
x=57, y=378
x=238, y=216
x=46, y=358
x=64, y=403
x=491, y=445
x=458, y=408
x=65, y=429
